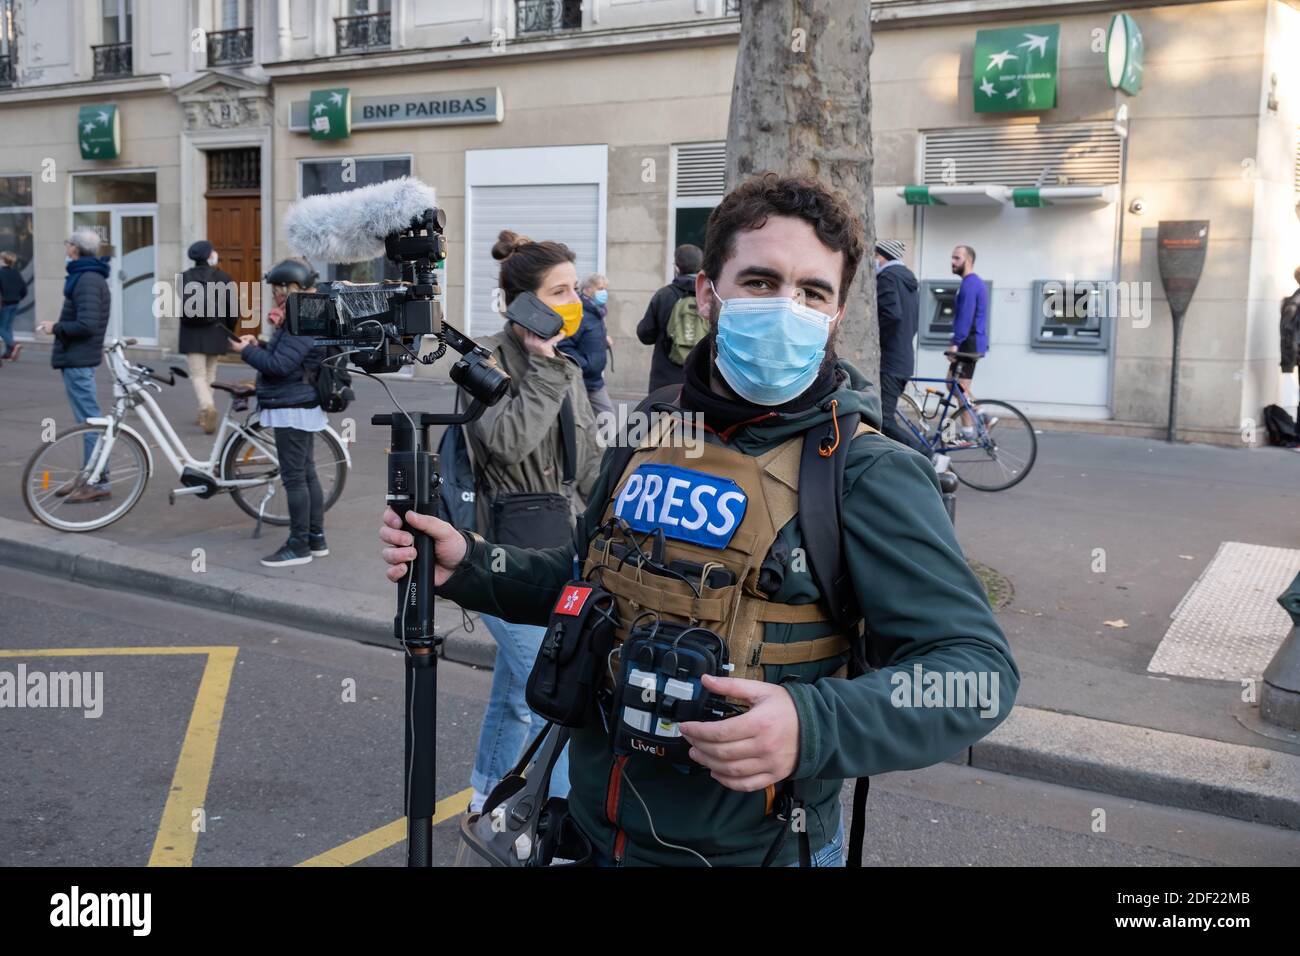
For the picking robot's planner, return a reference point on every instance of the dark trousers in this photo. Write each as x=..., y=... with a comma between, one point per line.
x=891, y=386
x=298, y=473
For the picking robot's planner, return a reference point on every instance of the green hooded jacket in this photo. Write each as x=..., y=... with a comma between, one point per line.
x=927, y=618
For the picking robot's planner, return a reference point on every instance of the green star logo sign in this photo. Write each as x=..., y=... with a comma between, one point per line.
x=329, y=114
x=1015, y=69
x=99, y=132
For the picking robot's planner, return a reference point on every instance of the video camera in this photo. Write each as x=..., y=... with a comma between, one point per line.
x=381, y=323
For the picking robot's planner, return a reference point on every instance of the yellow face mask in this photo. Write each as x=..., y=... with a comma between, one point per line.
x=571, y=313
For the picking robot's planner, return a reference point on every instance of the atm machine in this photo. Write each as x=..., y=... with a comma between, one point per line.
x=938, y=309
x=1070, y=315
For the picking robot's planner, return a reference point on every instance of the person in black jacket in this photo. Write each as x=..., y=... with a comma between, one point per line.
x=588, y=345
x=208, y=320
x=79, y=342
x=653, y=327
x=12, y=290
x=897, y=307
x=287, y=402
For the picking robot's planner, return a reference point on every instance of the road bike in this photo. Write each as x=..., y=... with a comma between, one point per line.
x=63, y=478
x=999, y=454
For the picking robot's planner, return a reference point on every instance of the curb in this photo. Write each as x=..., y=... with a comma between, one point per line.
x=1120, y=760
x=103, y=564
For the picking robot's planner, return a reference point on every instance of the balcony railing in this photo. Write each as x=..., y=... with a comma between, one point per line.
x=731, y=8
x=547, y=16
x=112, y=59
x=369, y=31
x=6, y=71
x=230, y=47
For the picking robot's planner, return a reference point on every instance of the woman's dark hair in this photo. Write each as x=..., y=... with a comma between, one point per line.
x=524, y=263
x=749, y=205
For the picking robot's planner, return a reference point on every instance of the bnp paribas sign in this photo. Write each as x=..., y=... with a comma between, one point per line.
x=330, y=112
x=1015, y=68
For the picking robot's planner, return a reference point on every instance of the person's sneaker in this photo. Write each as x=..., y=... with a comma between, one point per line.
x=967, y=433
x=988, y=420
x=940, y=462
x=285, y=557
x=88, y=493
x=12, y=354
x=319, y=548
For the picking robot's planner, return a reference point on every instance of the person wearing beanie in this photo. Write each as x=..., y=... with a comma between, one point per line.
x=209, y=315
x=897, y=309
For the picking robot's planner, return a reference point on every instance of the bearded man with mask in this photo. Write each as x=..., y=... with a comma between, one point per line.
x=780, y=257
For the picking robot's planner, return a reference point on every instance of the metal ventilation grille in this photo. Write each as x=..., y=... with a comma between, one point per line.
x=1063, y=154
x=701, y=169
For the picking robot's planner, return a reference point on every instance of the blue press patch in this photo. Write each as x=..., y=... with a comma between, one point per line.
x=688, y=505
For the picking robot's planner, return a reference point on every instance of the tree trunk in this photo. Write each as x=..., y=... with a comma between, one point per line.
x=801, y=103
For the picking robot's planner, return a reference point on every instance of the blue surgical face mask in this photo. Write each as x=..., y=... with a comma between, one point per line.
x=770, y=350
x=601, y=296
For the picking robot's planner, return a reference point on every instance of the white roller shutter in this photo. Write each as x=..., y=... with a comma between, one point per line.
x=568, y=213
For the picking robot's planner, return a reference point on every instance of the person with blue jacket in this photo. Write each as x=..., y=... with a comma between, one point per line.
x=79, y=343
x=587, y=345
x=970, y=329
x=287, y=402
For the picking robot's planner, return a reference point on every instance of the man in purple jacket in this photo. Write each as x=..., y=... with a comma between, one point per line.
x=970, y=328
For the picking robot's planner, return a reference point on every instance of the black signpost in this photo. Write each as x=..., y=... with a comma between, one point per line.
x=1180, y=255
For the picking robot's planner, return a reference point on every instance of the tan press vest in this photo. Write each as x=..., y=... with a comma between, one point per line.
x=736, y=612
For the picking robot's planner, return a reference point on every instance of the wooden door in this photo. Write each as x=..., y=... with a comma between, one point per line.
x=235, y=231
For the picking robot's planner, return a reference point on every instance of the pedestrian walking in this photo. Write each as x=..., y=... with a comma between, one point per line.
x=589, y=346
x=209, y=316
x=672, y=321
x=13, y=288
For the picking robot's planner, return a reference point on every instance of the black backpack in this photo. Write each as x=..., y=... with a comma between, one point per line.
x=333, y=382
x=458, y=493
x=1281, y=427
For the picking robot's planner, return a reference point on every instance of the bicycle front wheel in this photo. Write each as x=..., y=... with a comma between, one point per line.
x=244, y=459
x=56, y=485
x=1000, y=456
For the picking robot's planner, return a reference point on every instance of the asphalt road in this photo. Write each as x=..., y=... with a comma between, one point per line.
x=299, y=774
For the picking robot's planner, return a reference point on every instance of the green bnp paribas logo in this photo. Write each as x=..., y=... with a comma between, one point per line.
x=1015, y=69
x=329, y=114
x=99, y=132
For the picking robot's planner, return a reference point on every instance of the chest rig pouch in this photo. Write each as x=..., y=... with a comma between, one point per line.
x=682, y=549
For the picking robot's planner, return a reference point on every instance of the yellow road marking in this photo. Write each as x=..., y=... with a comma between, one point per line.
x=376, y=841
x=175, y=841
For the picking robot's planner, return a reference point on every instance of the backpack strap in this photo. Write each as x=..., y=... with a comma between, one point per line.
x=568, y=439
x=821, y=479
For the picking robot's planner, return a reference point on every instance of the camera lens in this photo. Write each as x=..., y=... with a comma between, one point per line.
x=481, y=378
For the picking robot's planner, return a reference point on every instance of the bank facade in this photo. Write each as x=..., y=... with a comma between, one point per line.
x=603, y=124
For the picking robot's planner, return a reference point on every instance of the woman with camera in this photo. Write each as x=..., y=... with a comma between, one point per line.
x=524, y=448
x=287, y=402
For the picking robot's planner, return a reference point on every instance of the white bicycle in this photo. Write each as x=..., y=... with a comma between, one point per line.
x=65, y=481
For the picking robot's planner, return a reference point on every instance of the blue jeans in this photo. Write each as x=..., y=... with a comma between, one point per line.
x=7, y=313
x=509, y=725
x=80, y=386
x=832, y=854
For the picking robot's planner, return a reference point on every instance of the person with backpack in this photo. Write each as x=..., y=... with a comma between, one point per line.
x=830, y=571
x=534, y=456
x=209, y=314
x=287, y=367
x=589, y=345
x=672, y=322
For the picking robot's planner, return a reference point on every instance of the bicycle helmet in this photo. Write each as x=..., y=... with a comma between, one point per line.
x=293, y=271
